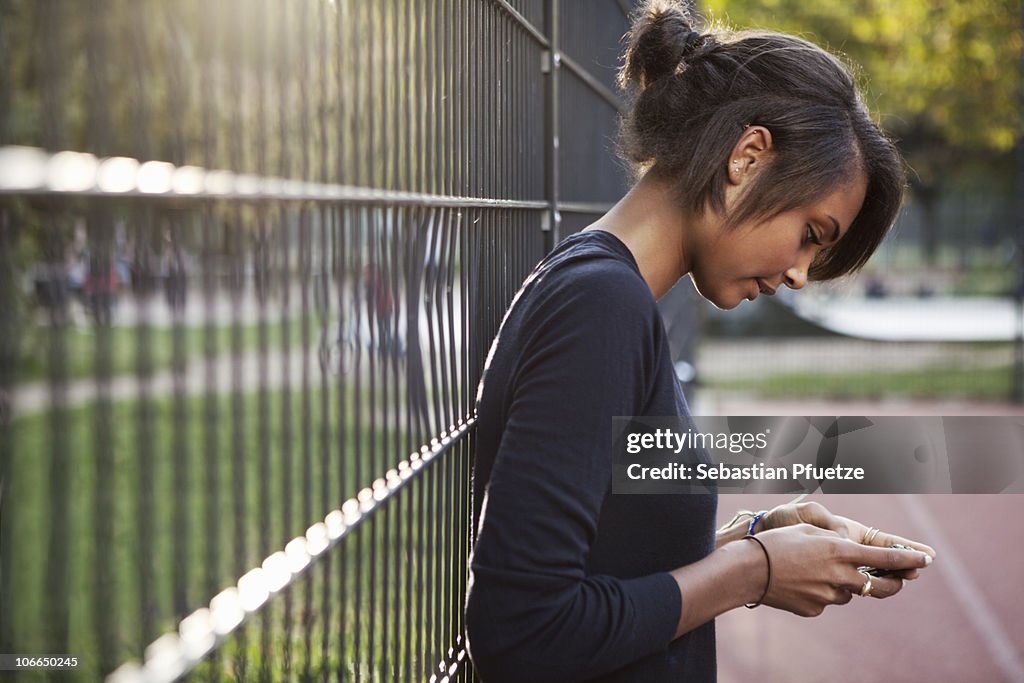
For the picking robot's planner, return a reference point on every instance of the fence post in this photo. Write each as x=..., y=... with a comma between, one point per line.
x=552, y=59
x=1018, y=363
x=1018, y=366
x=8, y=350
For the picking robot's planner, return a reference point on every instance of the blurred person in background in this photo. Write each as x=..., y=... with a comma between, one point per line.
x=100, y=289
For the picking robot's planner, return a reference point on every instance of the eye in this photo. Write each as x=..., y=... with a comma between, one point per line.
x=812, y=236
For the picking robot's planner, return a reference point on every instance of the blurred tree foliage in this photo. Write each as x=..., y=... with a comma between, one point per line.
x=942, y=75
x=154, y=80
x=231, y=84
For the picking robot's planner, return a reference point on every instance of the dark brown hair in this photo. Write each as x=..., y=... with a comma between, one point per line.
x=692, y=94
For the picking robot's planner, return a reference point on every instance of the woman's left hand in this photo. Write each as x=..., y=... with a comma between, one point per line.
x=817, y=514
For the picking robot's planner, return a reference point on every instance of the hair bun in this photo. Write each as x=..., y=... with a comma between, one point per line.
x=692, y=42
x=662, y=36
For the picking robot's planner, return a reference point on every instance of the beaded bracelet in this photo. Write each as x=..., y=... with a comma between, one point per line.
x=754, y=521
x=768, y=583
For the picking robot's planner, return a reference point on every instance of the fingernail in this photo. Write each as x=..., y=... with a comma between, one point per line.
x=927, y=559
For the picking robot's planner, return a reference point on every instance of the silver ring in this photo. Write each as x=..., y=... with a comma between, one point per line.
x=865, y=590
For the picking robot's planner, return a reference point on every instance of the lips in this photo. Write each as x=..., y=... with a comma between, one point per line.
x=764, y=287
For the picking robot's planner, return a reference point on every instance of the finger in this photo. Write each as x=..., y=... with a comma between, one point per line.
x=865, y=585
x=888, y=558
x=884, y=540
x=817, y=514
x=853, y=580
x=906, y=574
x=841, y=596
x=885, y=586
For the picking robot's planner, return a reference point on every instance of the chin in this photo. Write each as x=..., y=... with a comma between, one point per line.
x=727, y=306
x=725, y=303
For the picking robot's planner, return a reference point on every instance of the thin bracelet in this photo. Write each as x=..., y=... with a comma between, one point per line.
x=753, y=522
x=768, y=583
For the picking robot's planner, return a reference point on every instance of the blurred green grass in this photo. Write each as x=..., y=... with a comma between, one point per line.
x=983, y=384
x=189, y=446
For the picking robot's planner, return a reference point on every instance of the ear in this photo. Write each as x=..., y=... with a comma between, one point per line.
x=750, y=153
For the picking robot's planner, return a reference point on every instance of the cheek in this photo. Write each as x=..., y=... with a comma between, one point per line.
x=747, y=261
x=774, y=256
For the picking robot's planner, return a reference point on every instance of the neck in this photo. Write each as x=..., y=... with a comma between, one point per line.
x=655, y=229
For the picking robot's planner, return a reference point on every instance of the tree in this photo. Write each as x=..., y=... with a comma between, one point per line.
x=942, y=76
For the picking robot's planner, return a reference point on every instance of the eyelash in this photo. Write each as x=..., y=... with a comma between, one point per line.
x=813, y=236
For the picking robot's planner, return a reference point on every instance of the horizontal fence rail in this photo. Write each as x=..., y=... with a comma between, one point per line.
x=27, y=171
x=252, y=255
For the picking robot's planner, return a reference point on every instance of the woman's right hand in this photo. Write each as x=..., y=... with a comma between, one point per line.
x=812, y=568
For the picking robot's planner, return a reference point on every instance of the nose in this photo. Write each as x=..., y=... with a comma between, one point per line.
x=796, y=276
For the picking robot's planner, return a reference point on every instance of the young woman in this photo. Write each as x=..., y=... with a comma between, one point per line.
x=758, y=167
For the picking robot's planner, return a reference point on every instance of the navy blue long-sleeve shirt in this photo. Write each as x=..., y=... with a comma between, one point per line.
x=569, y=582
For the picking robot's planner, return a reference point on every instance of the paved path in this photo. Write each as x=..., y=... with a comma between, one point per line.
x=248, y=373
x=917, y=319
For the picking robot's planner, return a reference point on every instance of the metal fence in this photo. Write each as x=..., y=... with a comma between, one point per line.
x=252, y=254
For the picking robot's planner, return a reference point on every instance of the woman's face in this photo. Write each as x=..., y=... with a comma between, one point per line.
x=758, y=258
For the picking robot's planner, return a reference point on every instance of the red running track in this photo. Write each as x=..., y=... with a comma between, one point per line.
x=962, y=621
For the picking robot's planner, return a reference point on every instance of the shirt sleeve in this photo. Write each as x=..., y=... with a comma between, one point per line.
x=532, y=611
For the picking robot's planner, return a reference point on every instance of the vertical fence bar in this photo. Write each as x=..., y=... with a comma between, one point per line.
x=342, y=260
x=9, y=345
x=146, y=479
x=180, y=452
x=346, y=244
x=305, y=267
x=552, y=114
x=99, y=232
x=362, y=127
x=55, y=598
x=320, y=268
x=306, y=489
x=388, y=350
x=292, y=70
x=6, y=88
x=325, y=452
x=210, y=284
x=1018, y=363
x=142, y=217
x=211, y=431
x=210, y=265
